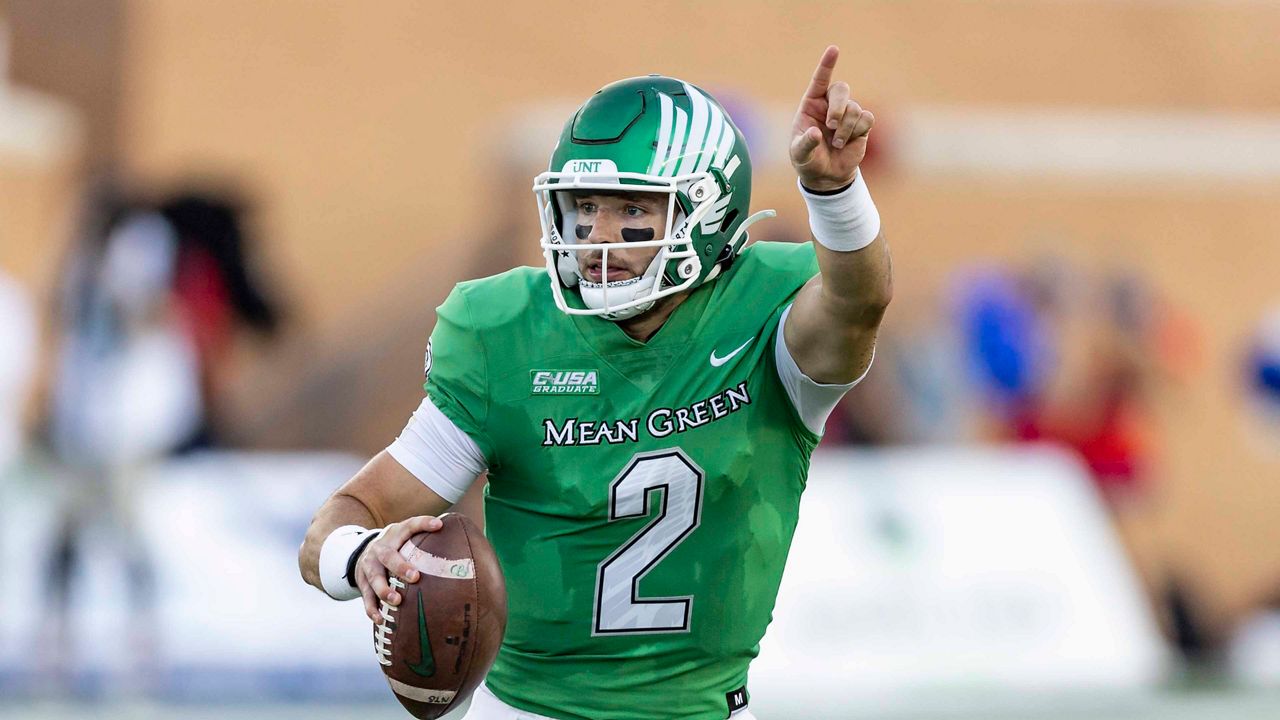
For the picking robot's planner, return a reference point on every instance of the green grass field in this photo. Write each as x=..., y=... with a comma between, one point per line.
x=1182, y=705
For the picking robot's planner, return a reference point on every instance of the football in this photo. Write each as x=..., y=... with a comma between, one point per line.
x=437, y=645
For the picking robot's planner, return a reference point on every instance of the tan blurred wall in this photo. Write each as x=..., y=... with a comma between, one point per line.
x=71, y=49
x=34, y=201
x=63, y=66
x=365, y=126
x=366, y=130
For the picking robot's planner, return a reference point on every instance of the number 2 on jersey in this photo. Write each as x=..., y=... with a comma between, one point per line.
x=618, y=608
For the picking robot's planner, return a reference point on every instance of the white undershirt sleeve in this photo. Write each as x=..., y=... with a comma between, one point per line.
x=814, y=401
x=438, y=452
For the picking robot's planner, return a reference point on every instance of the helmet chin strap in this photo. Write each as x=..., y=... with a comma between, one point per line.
x=621, y=292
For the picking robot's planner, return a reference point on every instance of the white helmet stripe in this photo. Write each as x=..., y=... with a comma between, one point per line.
x=664, y=134
x=711, y=223
x=711, y=144
x=697, y=131
x=677, y=143
x=731, y=167
x=727, y=139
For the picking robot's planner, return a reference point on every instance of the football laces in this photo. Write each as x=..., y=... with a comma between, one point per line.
x=382, y=635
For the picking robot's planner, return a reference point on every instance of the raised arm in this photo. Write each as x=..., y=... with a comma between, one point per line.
x=832, y=326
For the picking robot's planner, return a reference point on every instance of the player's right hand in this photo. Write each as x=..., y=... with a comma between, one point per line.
x=382, y=556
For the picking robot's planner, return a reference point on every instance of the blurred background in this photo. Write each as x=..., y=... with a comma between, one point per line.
x=224, y=228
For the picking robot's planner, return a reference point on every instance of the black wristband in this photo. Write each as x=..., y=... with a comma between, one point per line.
x=825, y=193
x=350, y=575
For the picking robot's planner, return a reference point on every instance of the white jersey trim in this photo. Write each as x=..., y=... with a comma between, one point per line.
x=438, y=452
x=814, y=401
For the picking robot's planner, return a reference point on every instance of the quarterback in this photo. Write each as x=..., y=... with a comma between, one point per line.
x=645, y=407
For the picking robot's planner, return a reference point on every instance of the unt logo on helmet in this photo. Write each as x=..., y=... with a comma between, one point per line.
x=590, y=167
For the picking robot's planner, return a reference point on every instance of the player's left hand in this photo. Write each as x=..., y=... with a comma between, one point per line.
x=829, y=135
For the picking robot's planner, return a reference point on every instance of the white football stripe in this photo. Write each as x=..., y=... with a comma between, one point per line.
x=425, y=562
x=424, y=695
x=712, y=222
x=731, y=167
x=697, y=130
x=677, y=142
x=664, y=134
x=710, y=146
x=727, y=140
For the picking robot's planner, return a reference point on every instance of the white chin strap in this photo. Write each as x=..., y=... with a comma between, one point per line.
x=620, y=292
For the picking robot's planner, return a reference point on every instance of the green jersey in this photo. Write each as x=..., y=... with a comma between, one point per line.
x=642, y=496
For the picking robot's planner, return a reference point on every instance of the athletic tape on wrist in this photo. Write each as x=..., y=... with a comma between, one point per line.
x=337, y=556
x=845, y=221
x=354, y=557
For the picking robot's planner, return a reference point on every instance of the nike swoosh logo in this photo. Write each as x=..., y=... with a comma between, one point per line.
x=718, y=361
x=427, y=667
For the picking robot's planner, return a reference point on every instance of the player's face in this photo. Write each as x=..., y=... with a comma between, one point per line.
x=605, y=217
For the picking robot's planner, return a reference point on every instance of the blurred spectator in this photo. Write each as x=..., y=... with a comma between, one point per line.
x=215, y=292
x=1254, y=650
x=1065, y=357
x=1262, y=379
x=18, y=341
x=1116, y=342
x=124, y=394
x=17, y=363
x=124, y=387
x=1071, y=358
x=149, y=302
x=1005, y=341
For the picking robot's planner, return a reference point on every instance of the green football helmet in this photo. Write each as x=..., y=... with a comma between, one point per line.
x=648, y=134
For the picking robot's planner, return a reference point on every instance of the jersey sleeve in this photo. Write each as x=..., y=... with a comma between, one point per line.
x=457, y=371
x=812, y=400
x=438, y=453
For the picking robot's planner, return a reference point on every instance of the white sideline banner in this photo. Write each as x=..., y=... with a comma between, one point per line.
x=912, y=570
x=950, y=570
x=233, y=617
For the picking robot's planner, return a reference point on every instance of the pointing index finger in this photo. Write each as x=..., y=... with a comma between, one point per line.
x=822, y=75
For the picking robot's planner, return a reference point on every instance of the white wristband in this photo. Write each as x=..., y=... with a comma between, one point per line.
x=335, y=555
x=846, y=221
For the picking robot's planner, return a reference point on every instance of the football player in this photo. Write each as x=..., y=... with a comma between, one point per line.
x=645, y=407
